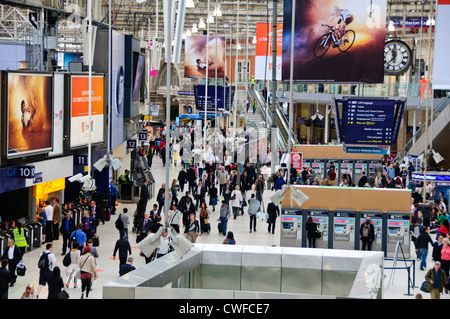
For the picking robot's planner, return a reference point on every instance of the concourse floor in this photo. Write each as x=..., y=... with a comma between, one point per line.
x=395, y=282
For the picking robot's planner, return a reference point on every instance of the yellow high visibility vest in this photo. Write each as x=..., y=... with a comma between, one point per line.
x=19, y=239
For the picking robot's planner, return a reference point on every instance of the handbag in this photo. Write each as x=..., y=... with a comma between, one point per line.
x=318, y=234
x=63, y=294
x=96, y=241
x=423, y=286
x=84, y=274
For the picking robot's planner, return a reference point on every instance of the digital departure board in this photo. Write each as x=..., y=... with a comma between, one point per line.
x=369, y=122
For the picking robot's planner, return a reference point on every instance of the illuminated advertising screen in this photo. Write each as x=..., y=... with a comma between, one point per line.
x=29, y=114
x=79, y=123
x=339, y=41
x=201, y=56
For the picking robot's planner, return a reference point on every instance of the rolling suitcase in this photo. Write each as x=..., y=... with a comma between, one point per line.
x=219, y=227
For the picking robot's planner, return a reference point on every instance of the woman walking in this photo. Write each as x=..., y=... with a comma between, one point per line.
x=88, y=271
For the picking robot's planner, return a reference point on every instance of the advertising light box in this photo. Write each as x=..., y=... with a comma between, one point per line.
x=79, y=122
x=29, y=114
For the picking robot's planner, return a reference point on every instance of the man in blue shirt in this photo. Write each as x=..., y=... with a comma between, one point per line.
x=80, y=237
x=66, y=229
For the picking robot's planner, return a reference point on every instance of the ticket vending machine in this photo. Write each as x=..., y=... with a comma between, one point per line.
x=306, y=163
x=398, y=224
x=344, y=229
x=329, y=163
x=318, y=166
x=376, y=219
x=322, y=219
x=346, y=165
x=371, y=167
x=360, y=166
x=291, y=227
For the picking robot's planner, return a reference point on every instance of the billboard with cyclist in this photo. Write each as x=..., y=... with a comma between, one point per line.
x=340, y=41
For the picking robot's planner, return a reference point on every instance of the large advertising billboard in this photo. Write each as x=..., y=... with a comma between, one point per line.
x=29, y=114
x=79, y=122
x=441, y=69
x=263, y=52
x=340, y=41
x=201, y=55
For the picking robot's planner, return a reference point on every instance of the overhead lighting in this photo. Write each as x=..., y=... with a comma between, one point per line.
x=210, y=19
x=190, y=4
x=140, y=1
x=184, y=35
x=202, y=25
x=194, y=28
x=239, y=46
x=391, y=27
x=254, y=39
x=188, y=33
x=217, y=12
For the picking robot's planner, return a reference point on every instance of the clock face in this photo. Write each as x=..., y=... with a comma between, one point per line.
x=397, y=57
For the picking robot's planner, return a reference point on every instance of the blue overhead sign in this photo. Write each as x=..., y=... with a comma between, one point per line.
x=368, y=122
x=224, y=97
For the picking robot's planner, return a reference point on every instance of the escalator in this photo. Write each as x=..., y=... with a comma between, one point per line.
x=438, y=132
x=280, y=119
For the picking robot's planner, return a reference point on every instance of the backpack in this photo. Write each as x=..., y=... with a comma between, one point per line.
x=366, y=230
x=119, y=223
x=43, y=262
x=67, y=260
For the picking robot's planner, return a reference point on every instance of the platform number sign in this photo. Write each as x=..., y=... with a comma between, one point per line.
x=131, y=144
x=21, y=172
x=143, y=135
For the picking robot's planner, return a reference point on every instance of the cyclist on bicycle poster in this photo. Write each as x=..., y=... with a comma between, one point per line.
x=344, y=18
x=339, y=41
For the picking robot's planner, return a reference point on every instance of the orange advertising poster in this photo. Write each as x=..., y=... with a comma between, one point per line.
x=80, y=96
x=264, y=31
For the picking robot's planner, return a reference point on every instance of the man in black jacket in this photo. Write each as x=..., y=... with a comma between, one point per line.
x=123, y=246
x=6, y=279
x=187, y=208
x=13, y=256
x=363, y=180
x=367, y=232
x=273, y=211
x=67, y=227
x=191, y=178
x=200, y=194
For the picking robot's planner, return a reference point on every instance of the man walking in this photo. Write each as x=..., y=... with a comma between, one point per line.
x=435, y=278
x=67, y=227
x=224, y=215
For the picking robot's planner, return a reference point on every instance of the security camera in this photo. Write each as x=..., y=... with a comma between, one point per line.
x=279, y=195
x=298, y=196
x=437, y=157
x=101, y=163
x=179, y=243
x=75, y=177
x=84, y=178
x=150, y=243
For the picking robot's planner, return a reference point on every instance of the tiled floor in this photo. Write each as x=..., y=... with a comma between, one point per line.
x=395, y=283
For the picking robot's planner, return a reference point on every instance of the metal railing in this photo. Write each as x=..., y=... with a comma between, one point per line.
x=438, y=110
